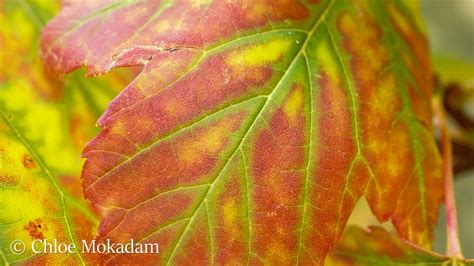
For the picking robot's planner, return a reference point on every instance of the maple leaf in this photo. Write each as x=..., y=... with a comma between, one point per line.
x=45, y=122
x=255, y=126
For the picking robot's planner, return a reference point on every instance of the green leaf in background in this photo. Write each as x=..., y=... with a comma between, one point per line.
x=452, y=70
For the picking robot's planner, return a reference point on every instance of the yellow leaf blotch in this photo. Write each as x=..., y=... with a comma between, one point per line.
x=207, y=142
x=118, y=128
x=162, y=26
x=400, y=149
x=175, y=106
x=384, y=103
x=394, y=167
x=377, y=146
x=200, y=3
x=260, y=54
x=327, y=61
x=277, y=253
x=258, y=10
x=366, y=43
x=294, y=104
x=230, y=213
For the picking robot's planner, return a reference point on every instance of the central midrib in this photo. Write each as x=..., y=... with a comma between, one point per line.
x=249, y=129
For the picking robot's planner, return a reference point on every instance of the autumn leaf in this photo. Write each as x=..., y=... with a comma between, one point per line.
x=45, y=122
x=376, y=246
x=255, y=126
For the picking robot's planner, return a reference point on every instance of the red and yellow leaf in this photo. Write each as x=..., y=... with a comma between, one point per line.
x=255, y=126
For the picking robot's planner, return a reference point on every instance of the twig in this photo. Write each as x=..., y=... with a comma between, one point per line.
x=453, y=247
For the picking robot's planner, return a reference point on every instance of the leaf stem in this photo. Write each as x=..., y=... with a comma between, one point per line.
x=453, y=247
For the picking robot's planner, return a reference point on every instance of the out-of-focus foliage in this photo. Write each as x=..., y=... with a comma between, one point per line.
x=453, y=70
x=450, y=25
x=45, y=122
x=376, y=246
x=454, y=80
